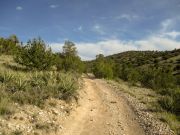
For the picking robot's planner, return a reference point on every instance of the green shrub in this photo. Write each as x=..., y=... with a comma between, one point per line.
x=68, y=60
x=103, y=68
x=133, y=76
x=36, y=55
x=167, y=103
x=38, y=80
x=171, y=101
x=147, y=77
x=163, y=80
x=6, y=77
x=67, y=86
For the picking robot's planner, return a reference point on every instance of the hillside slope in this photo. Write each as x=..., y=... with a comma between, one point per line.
x=146, y=58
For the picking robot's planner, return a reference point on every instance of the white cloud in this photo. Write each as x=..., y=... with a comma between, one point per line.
x=127, y=17
x=170, y=24
x=89, y=50
x=98, y=29
x=19, y=8
x=157, y=43
x=165, y=24
x=172, y=34
x=54, y=6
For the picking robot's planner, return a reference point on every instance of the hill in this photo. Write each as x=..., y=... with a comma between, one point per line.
x=170, y=59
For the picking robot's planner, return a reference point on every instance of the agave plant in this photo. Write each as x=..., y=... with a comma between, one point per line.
x=67, y=85
x=21, y=84
x=36, y=80
x=6, y=77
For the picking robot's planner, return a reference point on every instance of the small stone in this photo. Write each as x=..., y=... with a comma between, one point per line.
x=113, y=102
x=107, y=123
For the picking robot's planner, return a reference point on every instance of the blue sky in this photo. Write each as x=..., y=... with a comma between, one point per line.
x=96, y=26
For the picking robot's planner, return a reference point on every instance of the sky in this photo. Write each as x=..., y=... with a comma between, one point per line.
x=95, y=26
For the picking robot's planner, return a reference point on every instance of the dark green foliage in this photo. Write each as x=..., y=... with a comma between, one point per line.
x=69, y=60
x=167, y=102
x=35, y=55
x=72, y=63
x=147, y=77
x=122, y=71
x=69, y=49
x=103, y=68
x=163, y=79
x=171, y=101
x=133, y=76
x=9, y=45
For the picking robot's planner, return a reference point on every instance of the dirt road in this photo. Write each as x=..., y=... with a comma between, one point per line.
x=101, y=112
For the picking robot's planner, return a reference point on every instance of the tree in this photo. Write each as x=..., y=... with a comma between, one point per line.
x=36, y=55
x=69, y=49
x=103, y=68
x=69, y=60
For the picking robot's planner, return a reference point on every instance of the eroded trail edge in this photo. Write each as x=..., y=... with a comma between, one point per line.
x=101, y=112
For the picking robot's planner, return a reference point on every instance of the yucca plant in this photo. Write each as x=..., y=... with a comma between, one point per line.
x=21, y=84
x=6, y=77
x=36, y=80
x=49, y=77
x=67, y=86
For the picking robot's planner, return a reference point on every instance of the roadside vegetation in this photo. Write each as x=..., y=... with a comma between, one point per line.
x=151, y=69
x=32, y=73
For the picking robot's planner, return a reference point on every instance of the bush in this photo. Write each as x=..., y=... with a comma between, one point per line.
x=133, y=76
x=163, y=79
x=103, y=68
x=36, y=55
x=6, y=77
x=167, y=103
x=147, y=76
x=67, y=86
x=72, y=63
x=171, y=101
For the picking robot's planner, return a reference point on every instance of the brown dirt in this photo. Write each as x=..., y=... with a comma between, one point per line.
x=101, y=112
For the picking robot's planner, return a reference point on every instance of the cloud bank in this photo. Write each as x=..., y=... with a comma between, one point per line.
x=88, y=51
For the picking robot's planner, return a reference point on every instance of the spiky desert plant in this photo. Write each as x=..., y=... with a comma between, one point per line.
x=6, y=77
x=67, y=85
